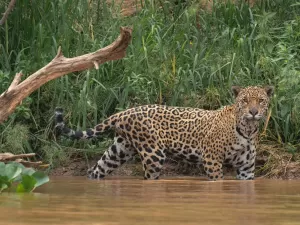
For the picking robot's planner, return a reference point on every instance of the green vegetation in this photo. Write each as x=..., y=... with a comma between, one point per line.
x=180, y=54
x=27, y=179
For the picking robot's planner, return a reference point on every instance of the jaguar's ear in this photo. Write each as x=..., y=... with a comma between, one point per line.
x=235, y=90
x=269, y=90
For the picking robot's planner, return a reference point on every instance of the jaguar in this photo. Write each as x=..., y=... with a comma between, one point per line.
x=210, y=138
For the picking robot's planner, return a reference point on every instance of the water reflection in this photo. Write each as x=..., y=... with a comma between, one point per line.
x=169, y=201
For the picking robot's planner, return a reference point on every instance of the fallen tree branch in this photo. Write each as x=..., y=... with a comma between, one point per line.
x=9, y=157
x=58, y=67
x=8, y=10
x=16, y=81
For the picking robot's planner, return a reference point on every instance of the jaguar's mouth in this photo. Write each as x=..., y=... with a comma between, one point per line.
x=251, y=117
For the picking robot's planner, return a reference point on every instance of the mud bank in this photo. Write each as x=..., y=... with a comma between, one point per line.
x=272, y=162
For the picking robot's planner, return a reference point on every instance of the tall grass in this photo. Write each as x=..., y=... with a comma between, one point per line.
x=180, y=55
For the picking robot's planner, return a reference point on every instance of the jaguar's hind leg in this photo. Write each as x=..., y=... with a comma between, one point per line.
x=118, y=153
x=153, y=160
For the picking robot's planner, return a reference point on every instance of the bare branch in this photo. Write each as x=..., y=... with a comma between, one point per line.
x=8, y=10
x=9, y=157
x=16, y=81
x=58, y=67
x=96, y=65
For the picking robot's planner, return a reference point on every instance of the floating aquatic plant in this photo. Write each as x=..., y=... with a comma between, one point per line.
x=15, y=176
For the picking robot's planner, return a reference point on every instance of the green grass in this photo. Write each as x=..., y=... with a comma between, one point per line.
x=180, y=54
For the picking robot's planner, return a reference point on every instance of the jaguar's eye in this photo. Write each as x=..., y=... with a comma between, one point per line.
x=261, y=100
x=245, y=99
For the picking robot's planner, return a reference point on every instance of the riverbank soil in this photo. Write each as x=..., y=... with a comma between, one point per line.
x=272, y=162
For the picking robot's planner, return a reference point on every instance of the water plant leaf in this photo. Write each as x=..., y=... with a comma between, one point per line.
x=27, y=178
x=28, y=171
x=40, y=178
x=3, y=186
x=25, y=171
x=27, y=185
x=2, y=168
x=17, y=164
x=4, y=183
x=12, y=171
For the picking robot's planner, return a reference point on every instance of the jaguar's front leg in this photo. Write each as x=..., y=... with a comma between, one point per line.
x=213, y=168
x=246, y=170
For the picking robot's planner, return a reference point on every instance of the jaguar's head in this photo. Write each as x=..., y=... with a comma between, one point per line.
x=252, y=102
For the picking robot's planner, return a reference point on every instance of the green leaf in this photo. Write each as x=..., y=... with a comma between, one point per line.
x=2, y=168
x=27, y=185
x=17, y=164
x=12, y=171
x=4, y=183
x=4, y=179
x=25, y=171
x=40, y=178
x=28, y=171
x=20, y=188
x=3, y=187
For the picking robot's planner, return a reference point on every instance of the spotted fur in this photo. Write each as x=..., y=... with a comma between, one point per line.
x=211, y=138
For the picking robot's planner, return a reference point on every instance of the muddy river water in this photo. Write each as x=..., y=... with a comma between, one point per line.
x=173, y=201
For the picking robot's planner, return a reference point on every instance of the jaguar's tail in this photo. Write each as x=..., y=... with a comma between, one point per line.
x=61, y=128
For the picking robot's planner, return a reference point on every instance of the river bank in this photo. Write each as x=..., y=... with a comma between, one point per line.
x=273, y=162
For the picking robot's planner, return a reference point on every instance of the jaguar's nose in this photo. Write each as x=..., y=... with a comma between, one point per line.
x=253, y=111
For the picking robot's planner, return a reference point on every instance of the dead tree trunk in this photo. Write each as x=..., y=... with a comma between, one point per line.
x=58, y=67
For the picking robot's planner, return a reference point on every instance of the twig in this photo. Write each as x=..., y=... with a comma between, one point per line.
x=16, y=81
x=266, y=123
x=8, y=10
x=287, y=165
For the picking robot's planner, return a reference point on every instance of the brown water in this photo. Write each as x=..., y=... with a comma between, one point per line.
x=134, y=201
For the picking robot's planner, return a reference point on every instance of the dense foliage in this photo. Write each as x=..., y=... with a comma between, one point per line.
x=180, y=55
